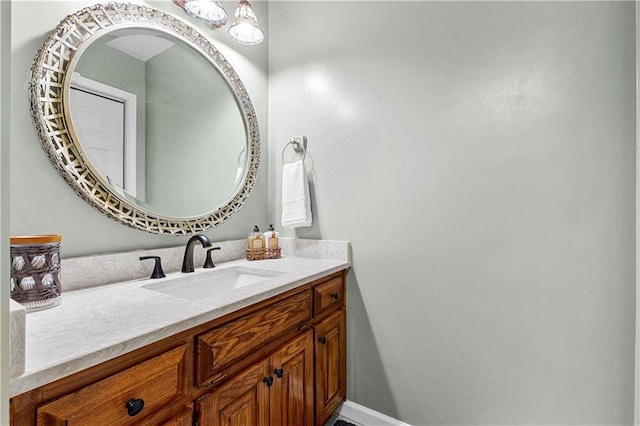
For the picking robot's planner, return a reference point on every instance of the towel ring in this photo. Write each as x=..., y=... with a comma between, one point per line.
x=299, y=145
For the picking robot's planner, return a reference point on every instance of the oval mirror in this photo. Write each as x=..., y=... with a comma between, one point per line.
x=145, y=119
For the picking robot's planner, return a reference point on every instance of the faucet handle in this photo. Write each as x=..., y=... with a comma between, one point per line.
x=157, y=269
x=208, y=263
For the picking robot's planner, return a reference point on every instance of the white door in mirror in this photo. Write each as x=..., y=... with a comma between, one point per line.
x=99, y=122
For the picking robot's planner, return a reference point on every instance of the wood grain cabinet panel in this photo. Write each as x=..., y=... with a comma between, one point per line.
x=242, y=401
x=227, y=344
x=291, y=396
x=157, y=382
x=330, y=365
x=184, y=418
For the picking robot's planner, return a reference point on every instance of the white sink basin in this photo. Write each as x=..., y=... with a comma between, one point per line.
x=213, y=283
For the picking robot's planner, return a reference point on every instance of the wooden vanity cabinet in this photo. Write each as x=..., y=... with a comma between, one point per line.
x=277, y=362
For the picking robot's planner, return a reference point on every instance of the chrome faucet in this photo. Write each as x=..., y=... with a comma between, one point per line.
x=187, y=262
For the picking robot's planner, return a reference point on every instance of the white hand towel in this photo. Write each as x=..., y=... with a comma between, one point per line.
x=296, y=202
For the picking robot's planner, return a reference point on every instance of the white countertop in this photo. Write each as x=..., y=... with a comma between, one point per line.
x=97, y=324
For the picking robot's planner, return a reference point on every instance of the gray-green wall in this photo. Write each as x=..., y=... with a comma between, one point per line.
x=41, y=202
x=480, y=156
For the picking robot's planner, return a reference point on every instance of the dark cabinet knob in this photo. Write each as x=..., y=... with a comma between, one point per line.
x=134, y=406
x=278, y=372
x=268, y=381
x=335, y=296
x=322, y=340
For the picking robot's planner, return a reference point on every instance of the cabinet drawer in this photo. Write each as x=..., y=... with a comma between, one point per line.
x=220, y=347
x=157, y=382
x=328, y=296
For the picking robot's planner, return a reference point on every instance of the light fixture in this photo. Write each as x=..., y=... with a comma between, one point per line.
x=244, y=27
x=209, y=11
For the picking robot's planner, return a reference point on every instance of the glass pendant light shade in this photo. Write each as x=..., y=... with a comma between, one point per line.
x=244, y=28
x=209, y=11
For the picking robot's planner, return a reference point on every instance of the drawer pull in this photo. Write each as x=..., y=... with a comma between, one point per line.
x=134, y=406
x=335, y=296
x=268, y=381
x=278, y=372
x=322, y=340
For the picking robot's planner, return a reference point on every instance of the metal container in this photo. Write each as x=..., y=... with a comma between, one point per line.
x=35, y=271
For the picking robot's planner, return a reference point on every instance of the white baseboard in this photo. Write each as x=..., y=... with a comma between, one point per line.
x=366, y=416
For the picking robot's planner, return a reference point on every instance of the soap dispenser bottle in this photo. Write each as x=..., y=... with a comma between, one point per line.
x=271, y=238
x=256, y=239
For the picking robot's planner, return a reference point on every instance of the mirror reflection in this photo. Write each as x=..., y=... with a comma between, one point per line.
x=158, y=122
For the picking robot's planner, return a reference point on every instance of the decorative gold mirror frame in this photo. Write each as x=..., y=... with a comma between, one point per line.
x=46, y=92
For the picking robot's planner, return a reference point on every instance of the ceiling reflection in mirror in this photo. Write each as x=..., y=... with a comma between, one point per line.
x=186, y=153
x=145, y=119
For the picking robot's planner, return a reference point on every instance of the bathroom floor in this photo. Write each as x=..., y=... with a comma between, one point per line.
x=343, y=422
x=336, y=420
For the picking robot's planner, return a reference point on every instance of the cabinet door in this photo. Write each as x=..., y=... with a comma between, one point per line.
x=242, y=401
x=330, y=367
x=291, y=396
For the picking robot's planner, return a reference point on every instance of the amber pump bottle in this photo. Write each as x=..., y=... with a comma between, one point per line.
x=271, y=238
x=255, y=239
